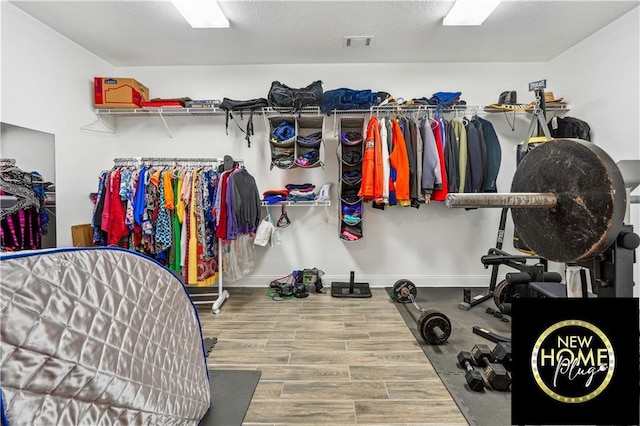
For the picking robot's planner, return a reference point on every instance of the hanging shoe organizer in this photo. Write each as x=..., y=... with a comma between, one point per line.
x=308, y=141
x=350, y=152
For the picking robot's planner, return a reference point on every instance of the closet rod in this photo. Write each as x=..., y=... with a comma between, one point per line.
x=171, y=161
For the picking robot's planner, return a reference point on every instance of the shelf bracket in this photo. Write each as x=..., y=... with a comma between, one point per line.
x=166, y=126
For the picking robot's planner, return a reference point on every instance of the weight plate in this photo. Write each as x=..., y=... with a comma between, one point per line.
x=500, y=295
x=591, y=200
x=402, y=289
x=427, y=323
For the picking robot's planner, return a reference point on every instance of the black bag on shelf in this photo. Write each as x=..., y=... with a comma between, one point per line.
x=282, y=96
x=251, y=105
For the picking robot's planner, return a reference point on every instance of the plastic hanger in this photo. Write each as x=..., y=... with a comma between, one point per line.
x=99, y=126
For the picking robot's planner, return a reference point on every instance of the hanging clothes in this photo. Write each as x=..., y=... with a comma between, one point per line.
x=400, y=162
x=173, y=214
x=386, y=168
x=493, y=155
x=460, y=133
x=452, y=159
x=441, y=190
x=371, y=187
x=430, y=162
x=419, y=149
x=476, y=150
x=23, y=217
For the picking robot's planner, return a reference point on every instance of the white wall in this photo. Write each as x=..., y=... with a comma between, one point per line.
x=601, y=74
x=47, y=83
x=432, y=245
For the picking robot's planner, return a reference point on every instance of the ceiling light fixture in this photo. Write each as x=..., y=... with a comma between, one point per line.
x=470, y=12
x=202, y=13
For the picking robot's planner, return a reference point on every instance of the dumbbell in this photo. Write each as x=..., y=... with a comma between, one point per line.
x=433, y=325
x=495, y=373
x=502, y=354
x=472, y=376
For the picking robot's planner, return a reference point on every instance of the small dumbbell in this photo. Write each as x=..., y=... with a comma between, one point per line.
x=502, y=354
x=496, y=374
x=472, y=376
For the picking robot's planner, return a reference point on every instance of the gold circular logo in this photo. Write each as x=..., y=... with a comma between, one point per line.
x=573, y=361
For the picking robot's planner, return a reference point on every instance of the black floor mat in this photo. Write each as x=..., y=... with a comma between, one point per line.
x=485, y=408
x=231, y=394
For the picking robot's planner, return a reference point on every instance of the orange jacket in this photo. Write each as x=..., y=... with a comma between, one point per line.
x=399, y=160
x=372, y=175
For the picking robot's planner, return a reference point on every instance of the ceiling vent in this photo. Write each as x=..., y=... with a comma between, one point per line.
x=358, y=41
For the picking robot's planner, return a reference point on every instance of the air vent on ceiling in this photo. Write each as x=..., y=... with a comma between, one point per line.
x=358, y=41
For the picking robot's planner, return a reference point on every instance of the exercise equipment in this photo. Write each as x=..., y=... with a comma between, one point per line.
x=502, y=354
x=469, y=302
x=516, y=284
x=489, y=335
x=562, y=213
x=568, y=200
x=351, y=288
x=433, y=325
x=496, y=374
x=568, y=203
x=472, y=376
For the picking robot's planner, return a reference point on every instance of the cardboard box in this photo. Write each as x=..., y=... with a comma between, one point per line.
x=110, y=92
x=82, y=235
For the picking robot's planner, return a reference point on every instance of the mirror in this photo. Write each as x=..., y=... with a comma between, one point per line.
x=33, y=151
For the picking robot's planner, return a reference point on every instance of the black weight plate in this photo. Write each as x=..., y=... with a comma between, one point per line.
x=591, y=200
x=430, y=319
x=402, y=289
x=500, y=293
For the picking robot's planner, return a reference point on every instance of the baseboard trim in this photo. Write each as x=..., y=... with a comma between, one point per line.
x=377, y=281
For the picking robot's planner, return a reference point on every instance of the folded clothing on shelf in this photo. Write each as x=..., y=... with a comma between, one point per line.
x=350, y=232
x=351, y=138
x=283, y=132
x=308, y=158
x=312, y=138
x=273, y=199
x=351, y=214
x=351, y=157
x=351, y=177
x=273, y=196
x=300, y=186
x=350, y=196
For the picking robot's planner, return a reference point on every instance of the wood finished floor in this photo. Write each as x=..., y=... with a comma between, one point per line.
x=328, y=361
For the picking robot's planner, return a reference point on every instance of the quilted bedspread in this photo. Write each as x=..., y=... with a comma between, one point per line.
x=98, y=336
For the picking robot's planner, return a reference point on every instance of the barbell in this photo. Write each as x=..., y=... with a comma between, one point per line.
x=567, y=200
x=434, y=326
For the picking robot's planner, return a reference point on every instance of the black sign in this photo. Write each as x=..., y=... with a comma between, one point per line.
x=575, y=361
x=535, y=85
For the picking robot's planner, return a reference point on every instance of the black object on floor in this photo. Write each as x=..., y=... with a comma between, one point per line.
x=350, y=289
x=209, y=343
x=488, y=407
x=231, y=394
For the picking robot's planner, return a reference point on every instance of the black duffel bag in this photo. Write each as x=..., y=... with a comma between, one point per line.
x=283, y=96
x=251, y=105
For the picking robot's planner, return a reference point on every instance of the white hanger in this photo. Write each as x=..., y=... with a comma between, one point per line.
x=99, y=126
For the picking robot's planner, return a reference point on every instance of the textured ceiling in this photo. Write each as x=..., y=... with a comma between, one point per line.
x=151, y=33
